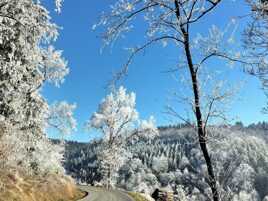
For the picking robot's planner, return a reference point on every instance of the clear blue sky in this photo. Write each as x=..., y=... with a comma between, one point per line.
x=90, y=70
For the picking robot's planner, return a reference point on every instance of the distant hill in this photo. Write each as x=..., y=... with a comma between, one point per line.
x=173, y=159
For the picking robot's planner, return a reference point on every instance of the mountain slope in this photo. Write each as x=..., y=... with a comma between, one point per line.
x=239, y=154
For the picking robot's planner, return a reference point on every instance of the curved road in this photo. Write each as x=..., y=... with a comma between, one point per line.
x=99, y=194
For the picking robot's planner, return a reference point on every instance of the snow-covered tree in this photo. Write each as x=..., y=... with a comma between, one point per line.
x=160, y=164
x=58, y=4
x=240, y=157
x=119, y=124
x=27, y=61
x=255, y=42
x=61, y=118
x=171, y=22
x=32, y=155
x=181, y=194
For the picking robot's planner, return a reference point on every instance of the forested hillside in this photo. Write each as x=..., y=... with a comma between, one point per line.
x=200, y=62
x=174, y=160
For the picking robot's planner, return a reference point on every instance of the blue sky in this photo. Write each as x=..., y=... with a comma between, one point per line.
x=90, y=70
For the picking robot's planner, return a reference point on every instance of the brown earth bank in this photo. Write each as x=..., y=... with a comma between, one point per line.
x=53, y=187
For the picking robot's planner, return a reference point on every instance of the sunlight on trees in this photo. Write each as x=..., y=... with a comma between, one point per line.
x=171, y=22
x=203, y=158
x=118, y=121
x=28, y=61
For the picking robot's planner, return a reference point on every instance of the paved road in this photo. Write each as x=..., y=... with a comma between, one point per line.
x=98, y=194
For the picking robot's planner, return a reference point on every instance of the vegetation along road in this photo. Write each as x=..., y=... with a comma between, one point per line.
x=99, y=194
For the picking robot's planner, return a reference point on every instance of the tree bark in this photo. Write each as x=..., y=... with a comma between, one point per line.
x=198, y=113
x=109, y=178
x=199, y=119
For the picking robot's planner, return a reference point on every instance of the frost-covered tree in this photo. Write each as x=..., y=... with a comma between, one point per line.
x=61, y=118
x=136, y=176
x=32, y=155
x=240, y=157
x=58, y=4
x=27, y=61
x=119, y=124
x=160, y=164
x=255, y=41
x=171, y=22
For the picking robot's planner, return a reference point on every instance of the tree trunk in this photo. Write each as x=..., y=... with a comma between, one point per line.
x=109, y=177
x=199, y=119
x=198, y=113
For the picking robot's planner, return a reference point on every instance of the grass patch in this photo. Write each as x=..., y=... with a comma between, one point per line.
x=18, y=187
x=137, y=196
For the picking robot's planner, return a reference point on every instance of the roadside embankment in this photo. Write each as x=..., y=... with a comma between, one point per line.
x=16, y=187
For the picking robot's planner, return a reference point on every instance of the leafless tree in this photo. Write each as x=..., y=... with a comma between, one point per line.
x=172, y=21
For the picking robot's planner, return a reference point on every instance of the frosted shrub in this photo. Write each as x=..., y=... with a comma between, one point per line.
x=35, y=156
x=246, y=196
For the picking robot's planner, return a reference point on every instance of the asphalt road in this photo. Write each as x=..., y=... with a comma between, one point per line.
x=99, y=194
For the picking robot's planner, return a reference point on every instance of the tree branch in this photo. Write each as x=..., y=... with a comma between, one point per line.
x=124, y=71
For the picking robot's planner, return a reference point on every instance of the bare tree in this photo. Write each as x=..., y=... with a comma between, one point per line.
x=172, y=21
